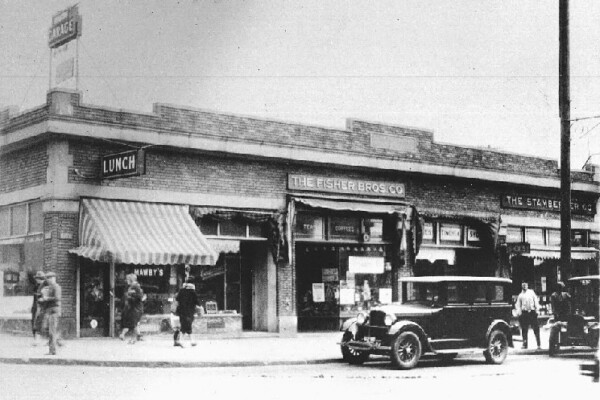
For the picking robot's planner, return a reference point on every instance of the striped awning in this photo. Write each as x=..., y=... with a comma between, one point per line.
x=126, y=232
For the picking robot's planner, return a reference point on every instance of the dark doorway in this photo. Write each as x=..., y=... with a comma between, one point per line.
x=94, y=299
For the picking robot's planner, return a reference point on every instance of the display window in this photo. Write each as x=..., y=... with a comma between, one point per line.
x=336, y=281
x=157, y=282
x=309, y=226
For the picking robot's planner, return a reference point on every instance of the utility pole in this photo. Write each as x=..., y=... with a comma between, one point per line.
x=564, y=103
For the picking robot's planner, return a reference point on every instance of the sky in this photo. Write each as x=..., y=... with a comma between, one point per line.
x=476, y=73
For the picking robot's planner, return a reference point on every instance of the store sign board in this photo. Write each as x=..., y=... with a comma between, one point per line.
x=124, y=164
x=365, y=265
x=472, y=235
x=450, y=233
x=538, y=203
x=518, y=248
x=427, y=231
x=66, y=26
x=317, y=183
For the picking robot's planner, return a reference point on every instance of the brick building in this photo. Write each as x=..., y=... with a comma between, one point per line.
x=283, y=226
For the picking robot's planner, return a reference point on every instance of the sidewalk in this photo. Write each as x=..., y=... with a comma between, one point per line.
x=253, y=349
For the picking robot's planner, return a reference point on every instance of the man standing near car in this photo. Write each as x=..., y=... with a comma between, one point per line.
x=527, y=306
x=561, y=309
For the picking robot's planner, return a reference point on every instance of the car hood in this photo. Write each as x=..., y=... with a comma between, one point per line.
x=408, y=309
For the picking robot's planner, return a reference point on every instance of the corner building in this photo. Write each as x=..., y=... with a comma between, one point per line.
x=284, y=227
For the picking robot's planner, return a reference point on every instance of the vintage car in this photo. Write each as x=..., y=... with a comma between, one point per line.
x=441, y=315
x=581, y=328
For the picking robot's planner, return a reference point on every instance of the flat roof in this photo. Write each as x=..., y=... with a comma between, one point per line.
x=450, y=278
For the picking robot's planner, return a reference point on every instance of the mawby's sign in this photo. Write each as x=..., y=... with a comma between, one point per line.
x=128, y=163
x=66, y=26
x=347, y=186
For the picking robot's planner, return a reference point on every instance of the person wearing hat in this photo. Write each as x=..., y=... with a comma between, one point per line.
x=50, y=299
x=560, y=300
x=37, y=315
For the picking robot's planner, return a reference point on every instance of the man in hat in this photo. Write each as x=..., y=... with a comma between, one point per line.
x=50, y=299
x=37, y=314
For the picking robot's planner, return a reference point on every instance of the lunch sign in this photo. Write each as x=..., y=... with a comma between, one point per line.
x=120, y=165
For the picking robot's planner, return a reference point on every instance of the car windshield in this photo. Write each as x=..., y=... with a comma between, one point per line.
x=422, y=293
x=585, y=295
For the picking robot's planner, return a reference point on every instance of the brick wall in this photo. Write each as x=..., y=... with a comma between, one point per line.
x=61, y=235
x=23, y=168
x=354, y=140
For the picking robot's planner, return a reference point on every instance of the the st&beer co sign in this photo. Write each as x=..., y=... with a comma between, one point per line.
x=128, y=163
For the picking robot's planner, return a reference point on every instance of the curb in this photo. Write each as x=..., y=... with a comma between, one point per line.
x=161, y=364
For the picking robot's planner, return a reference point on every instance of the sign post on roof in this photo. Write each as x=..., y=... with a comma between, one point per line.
x=64, y=58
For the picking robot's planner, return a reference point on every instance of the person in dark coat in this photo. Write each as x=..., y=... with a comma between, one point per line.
x=37, y=313
x=187, y=300
x=133, y=308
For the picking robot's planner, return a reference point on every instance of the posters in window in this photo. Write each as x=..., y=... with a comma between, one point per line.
x=318, y=292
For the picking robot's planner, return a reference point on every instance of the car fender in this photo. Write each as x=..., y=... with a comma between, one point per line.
x=503, y=326
x=348, y=324
x=403, y=326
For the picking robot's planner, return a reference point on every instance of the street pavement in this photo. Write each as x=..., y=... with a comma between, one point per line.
x=252, y=349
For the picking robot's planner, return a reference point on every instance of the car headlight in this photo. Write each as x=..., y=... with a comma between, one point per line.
x=389, y=319
x=361, y=318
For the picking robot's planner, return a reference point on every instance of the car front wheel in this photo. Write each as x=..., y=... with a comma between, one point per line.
x=352, y=356
x=497, y=348
x=406, y=350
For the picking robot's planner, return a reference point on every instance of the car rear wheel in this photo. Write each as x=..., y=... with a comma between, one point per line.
x=352, y=356
x=406, y=350
x=497, y=348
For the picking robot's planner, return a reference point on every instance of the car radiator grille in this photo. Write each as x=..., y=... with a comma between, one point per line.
x=377, y=318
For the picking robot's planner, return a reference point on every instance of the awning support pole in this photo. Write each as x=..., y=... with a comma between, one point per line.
x=111, y=311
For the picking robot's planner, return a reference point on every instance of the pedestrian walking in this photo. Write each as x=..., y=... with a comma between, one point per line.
x=37, y=314
x=51, y=301
x=527, y=306
x=187, y=301
x=133, y=309
x=560, y=301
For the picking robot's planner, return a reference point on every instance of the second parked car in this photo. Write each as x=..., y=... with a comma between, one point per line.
x=441, y=315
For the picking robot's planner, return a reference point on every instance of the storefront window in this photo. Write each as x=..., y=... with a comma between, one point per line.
x=18, y=220
x=534, y=236
x=36, y=218
x=4, y=222
x=18, y=264
x=514, y=235
x=553, y=237
x=309, y=226
x=374, y=228
x=209, y=226
x=232, y=228
x=155, y=282
x=579, y=238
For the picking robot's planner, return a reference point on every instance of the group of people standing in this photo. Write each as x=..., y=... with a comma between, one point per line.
x=45, y=310
x=184, y=310
x=527, y=307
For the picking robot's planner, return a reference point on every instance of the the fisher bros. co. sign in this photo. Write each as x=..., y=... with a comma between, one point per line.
x=128, y=163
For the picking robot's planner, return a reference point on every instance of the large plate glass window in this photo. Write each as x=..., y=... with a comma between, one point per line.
x=514, y=235
x=553, y=237
x=534, y=236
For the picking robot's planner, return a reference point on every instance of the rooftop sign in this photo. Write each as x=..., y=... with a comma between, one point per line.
x=66, y=26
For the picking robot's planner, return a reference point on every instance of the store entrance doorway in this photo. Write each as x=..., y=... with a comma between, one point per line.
x=94, y=299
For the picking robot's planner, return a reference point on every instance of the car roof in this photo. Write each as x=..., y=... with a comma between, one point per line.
x=450, y=278
x=585, y=278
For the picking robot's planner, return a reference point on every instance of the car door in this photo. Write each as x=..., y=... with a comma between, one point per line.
x=455, y=315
